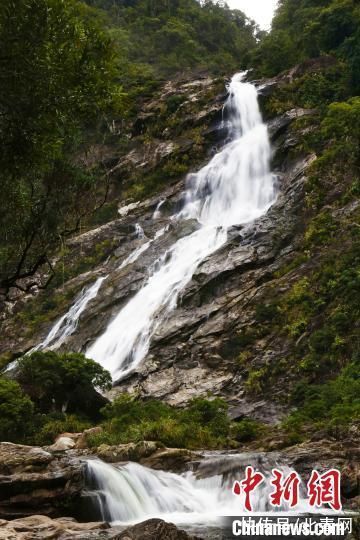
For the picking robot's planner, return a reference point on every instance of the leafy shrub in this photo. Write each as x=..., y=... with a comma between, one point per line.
x=60, y=382
x=246, y=430
x=50, y=426
x=204, y=423
x=173, y=102
x=267, y=313
x=255, y=381
x=320, y=230
x=16, y=410
x=331, y=406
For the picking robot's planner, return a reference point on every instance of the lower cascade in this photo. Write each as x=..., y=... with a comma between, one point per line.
x=129, y=493
x=235, y=187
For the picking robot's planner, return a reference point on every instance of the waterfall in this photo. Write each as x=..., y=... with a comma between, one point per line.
x=131, y=492
x=67, y=324
x=142, y=248
x=157, y=212
x=235, y=187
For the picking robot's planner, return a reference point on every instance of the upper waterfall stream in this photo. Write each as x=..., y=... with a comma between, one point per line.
x=235, y=187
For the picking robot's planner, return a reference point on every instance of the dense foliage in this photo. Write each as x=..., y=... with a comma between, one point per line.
x=16, y=410
x=61, y=382
x=57, y=79
x=203, y=423
x=332, y=406
x=53, y=393
x=65, y=66
x=162, y=37
x=317, y=316
x=305, y=29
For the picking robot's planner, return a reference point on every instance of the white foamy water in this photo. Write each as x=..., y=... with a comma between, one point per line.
x=157, y=212
x=236, y=187
x=133, y=257
x=67, y=324
x=132, y=493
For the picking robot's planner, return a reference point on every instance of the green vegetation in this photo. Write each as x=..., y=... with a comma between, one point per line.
x=331, y=407
x=317, y=316
x=52, y=393
x=55, y=393
x=58, y=70
x=318, y=87
x=53, y=424
x=16, y=410
x=203, y=423
x=61, y=382
x=247, y=430
x=158, y=38
x=338, y=142
x=306, y=29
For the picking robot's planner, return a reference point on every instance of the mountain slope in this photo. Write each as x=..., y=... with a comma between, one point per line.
x=269, y=321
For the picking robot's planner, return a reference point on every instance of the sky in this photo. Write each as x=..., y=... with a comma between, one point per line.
x=259, y=10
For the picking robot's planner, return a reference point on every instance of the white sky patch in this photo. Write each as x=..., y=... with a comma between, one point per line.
x=261, y=11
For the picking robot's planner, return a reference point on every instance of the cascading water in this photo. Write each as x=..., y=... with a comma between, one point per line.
x=236, y=187
x=131, y=492
x=141, y=249
x=67, y=324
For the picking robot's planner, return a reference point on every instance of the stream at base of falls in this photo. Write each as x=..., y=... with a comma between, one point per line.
x=196, y=499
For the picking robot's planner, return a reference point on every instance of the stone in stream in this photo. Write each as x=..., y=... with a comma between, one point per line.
x=127, y=452
x=62, y=443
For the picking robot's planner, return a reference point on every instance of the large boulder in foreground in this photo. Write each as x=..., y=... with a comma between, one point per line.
x=154, y=529
x=33, y=479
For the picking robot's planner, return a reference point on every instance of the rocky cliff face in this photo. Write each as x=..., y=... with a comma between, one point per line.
x=197, y=350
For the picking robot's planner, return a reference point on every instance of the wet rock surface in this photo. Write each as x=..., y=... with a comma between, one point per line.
x=32, y=478
x=194, y=349
x=175, y=460
x=127, y=452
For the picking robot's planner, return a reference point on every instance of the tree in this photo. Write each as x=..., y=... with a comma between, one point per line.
x=178, y=35
x=57, y=70
x=16, y=411
x=303, y=29
x=62, y=382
